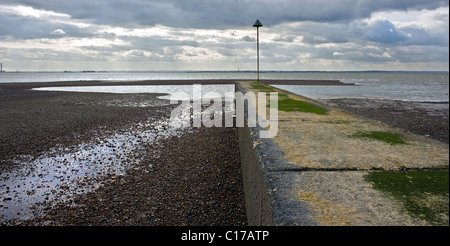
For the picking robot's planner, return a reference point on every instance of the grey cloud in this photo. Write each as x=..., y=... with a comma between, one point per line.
x=380, y=31
x=420, y=36
x=157, y=42
x=318, y=33
x=422, y=53
x=221, y=13
x=227, y=52
x=32, y=27
x=248, y=39
x=384, y=31
x=287, y=39
x=322, y=38
x=317, y=22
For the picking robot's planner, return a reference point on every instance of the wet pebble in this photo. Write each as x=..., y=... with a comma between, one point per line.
x=175, y=182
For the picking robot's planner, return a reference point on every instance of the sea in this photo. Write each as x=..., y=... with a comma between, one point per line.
x=405, y=86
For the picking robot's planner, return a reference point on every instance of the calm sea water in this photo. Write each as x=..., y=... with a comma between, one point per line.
x=421, y=87
x=413, y=86
x=119, y=76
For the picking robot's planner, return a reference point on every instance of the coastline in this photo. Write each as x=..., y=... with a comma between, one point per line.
x=34, y=122
x=313, y=172
x=30, y=85
x=167, y=178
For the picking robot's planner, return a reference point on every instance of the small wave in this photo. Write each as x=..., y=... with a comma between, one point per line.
x=386, y=99
x=424, y=101
x=350, y=81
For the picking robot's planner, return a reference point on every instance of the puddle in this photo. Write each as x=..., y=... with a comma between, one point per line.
x=56, y=176
x=175, y=92
x=60, y=174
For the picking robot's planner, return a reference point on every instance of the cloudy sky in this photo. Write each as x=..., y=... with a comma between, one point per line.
x=323, y=35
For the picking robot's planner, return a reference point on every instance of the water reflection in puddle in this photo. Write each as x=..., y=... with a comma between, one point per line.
x=163, y=89
x=56, y=176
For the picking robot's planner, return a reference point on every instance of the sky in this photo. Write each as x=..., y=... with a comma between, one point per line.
x=217, y=35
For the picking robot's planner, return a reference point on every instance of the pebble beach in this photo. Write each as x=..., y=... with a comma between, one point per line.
x=423, y=118
x=167, y=176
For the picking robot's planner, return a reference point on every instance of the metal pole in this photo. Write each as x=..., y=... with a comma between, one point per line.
x=257, y=49
x=257, y=25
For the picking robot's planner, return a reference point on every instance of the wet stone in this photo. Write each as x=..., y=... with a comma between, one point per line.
x=82, y=161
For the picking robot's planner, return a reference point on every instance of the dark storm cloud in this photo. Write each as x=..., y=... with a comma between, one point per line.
x=32, y=28
x=18, y=27
x=384, y=31
x=295, y=31
x=221, y=13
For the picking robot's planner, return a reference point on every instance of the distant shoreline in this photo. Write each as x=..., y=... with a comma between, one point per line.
x=30, y=85
x=224, y=71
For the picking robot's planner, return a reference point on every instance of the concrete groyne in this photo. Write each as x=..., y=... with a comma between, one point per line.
x=264, y=175
x=312, y=172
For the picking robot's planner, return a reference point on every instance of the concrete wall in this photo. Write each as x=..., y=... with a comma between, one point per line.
x=257, y=198
x=279, y=192
x=269, y=180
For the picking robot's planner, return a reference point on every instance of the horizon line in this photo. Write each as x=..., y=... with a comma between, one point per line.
x=227, y=71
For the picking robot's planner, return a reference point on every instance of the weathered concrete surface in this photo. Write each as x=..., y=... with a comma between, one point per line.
x=312, y=172
x=313, y=141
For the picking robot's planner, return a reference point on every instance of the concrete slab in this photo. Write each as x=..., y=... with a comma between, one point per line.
x=312, y=172
x=333, y=198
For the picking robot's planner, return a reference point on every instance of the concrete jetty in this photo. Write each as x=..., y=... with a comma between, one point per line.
x=312, y=172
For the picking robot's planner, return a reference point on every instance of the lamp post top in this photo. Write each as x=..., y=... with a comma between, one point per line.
x=257, y=24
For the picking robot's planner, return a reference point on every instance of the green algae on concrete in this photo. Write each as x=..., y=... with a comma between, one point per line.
x=387, y=137
x=325, y=183
x=316, y=141
x=287, y=104
x=261, y=87
x=423, y=193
